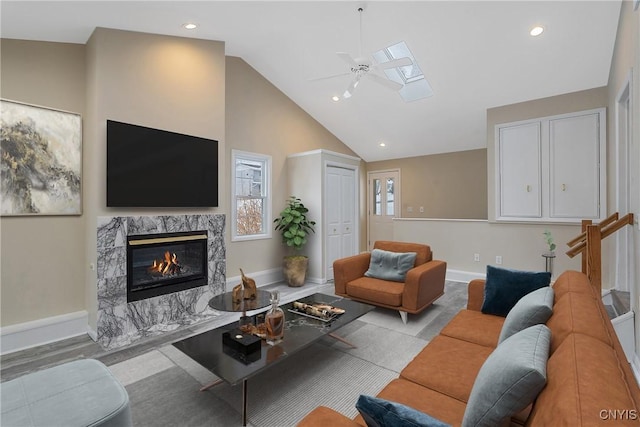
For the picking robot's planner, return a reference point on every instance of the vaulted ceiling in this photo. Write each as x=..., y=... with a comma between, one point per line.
x=475, y=55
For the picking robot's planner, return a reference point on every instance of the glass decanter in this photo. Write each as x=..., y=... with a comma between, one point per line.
x=274, y=320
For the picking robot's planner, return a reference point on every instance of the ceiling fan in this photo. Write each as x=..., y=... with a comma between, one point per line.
x=361, y=67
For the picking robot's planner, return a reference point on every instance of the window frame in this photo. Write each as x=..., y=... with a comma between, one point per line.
x=266, y=195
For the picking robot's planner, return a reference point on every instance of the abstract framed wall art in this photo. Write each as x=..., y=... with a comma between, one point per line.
x=40, y=160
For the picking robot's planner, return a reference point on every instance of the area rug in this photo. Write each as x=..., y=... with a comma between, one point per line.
x=163, y=384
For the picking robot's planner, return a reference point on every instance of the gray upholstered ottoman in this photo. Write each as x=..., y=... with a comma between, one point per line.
x=79, y=393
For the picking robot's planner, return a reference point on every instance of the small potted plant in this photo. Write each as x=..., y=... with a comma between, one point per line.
x=549, y=256
x=294, y=226
x=549, y=239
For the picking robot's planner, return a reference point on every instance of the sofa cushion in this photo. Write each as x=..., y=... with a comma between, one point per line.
x=577, y=312
x=475, y=327
x=388, y=265
x=532, y=309
x=79, y=393
x=585, y=381
x=438, y=405
x=504, y=288
x=323, y=417
x=383, y=413
x=376, y=290
x=441, y=361
x=510, y=379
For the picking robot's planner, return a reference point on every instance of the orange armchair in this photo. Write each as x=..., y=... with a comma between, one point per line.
x=424, y=283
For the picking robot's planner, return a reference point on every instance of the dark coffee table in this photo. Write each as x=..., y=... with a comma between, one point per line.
x=300, y=332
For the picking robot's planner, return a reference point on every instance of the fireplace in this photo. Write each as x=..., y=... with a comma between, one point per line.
x=159, y=264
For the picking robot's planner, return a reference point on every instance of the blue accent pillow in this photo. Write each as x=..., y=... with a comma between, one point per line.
x=388, y=265
x=504, y=288
x=383, y=413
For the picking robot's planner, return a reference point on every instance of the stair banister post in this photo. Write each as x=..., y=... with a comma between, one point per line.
x=585, y=224
x=594, y=257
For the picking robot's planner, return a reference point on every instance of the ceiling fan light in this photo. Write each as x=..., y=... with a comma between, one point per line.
x=536, y=31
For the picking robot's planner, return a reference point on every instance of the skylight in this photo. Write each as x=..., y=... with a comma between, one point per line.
x=415, y=85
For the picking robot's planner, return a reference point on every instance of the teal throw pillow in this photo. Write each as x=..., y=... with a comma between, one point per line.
x=392, y=266
x=534, y=308
x=510, y=379
x=504, y=288
x=383, y=413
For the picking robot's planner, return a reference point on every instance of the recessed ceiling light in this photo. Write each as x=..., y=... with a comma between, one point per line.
x=536, y=31
x=336, y=98
x=190, y=26
x=382, y=144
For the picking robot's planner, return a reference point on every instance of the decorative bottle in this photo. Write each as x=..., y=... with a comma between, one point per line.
x=274, y=320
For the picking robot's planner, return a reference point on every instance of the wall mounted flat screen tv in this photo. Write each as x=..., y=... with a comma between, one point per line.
x=156, y=168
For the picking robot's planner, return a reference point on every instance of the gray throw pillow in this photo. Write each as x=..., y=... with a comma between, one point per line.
x=534, y=308
x=510, y=379
x=388, y=265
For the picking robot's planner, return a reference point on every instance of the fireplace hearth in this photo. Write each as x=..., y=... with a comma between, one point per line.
x=159, y=264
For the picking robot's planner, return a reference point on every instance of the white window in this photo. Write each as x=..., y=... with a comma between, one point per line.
x=414, y=84
x=251, y=196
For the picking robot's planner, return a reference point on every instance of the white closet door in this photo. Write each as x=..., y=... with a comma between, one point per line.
x=520, y=171
x=340, y=215
x=574, y=145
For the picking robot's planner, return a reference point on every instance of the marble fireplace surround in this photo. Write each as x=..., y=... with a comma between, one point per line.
x=121, y=323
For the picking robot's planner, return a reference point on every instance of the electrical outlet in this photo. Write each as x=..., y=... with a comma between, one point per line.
x=476, y=257
x=410, y=209
x=421, y=209
x=498, y=259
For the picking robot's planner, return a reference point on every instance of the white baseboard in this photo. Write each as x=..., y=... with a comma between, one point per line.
x=463, y=276
x=262, y=278
x=268, y=277
x=42, y=331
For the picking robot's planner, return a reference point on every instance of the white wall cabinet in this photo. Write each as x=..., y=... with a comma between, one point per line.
x=552, y=169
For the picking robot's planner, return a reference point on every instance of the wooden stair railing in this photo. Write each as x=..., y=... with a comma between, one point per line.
x=589, y=244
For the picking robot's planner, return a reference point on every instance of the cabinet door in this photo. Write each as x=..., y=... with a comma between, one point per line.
x=574, y=155
x=340, y=215
x=520, y=171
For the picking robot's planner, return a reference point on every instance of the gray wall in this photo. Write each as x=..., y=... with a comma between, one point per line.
x=450, y=185
x=42, y=258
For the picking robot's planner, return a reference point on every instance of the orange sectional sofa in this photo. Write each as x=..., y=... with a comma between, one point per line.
x=589, y=381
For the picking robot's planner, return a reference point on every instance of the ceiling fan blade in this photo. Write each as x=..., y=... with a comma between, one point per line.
x=400, y=62
x=347, y=58
x=330, y=77
x=354, y=84
x=384, y=82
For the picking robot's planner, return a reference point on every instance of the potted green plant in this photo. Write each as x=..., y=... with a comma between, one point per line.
x=294, y=226
x=549, y=256
x=549, y=239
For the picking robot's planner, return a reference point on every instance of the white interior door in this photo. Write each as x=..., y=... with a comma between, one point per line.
x=383, y=199
x=341, y=202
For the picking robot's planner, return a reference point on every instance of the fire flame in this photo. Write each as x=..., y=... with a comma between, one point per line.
x=169, y=265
